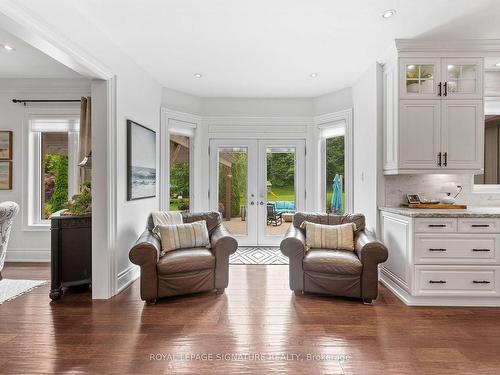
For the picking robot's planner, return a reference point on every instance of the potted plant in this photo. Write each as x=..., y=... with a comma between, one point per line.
x=81, y=203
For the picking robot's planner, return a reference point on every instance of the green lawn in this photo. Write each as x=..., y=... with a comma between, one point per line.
x=281, y=194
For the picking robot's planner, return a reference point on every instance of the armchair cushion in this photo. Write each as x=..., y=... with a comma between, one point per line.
x=340, y=262
x=183, y=236
x=335, y=237
x=186, y=260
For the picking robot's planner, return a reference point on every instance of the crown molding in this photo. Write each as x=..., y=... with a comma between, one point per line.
x=422, y=45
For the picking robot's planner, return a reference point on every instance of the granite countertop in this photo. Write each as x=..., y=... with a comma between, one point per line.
x=469, y=212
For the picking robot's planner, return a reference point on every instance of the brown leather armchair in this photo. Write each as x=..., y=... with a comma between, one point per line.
x=184, y=271
x=336, y=272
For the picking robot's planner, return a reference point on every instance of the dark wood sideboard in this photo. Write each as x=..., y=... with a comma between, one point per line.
x=71, y=252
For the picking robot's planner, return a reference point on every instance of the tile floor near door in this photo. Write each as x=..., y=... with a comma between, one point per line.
x=257, y=316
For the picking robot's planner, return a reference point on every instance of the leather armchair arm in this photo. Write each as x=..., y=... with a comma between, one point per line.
x=369, y=249
x=370, y=252
x=146, y=253
x=294, y=246
x=223, y=245
x=146, y=249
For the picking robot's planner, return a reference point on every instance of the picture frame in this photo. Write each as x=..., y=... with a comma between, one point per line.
x=413, y=198
x=5, y=175
x=6, y=144
x=141, y=161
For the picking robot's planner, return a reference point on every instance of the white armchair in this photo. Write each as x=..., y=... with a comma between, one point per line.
x=8, y=211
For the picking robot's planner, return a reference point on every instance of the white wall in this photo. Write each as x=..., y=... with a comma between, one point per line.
x=366, y=94
x=29, y=244
x=333, y=102
x=179, y=101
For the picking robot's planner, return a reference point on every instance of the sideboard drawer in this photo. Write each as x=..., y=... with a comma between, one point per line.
x=479, y=225
x=457, y=281
x=457, y=248
x=447, y=225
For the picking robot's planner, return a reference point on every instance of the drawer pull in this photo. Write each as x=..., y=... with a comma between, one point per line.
x=437, y=249
x=480, y=225
x=437, y=225
x=437, y=282
x=481, y=250
x=481, y=282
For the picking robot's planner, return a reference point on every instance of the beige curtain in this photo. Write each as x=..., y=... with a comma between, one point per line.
x=85, y=137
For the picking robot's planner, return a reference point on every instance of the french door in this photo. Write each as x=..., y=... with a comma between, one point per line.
x=257, y=185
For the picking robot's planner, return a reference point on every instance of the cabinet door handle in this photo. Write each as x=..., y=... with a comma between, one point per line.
x=437, y=225
x=440, y=89
x=481, y=250
x=437, y=249
x=481, y=282
x=445, y=89
x=445, y=163
x=439, y=159
x=437, y=282
x=480, y=225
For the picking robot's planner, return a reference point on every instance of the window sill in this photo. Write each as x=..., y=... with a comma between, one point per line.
x=37, y=227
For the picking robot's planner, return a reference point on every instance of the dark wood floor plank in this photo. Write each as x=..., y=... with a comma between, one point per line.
x=258, y=314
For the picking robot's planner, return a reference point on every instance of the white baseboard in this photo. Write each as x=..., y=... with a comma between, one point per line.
x=27, y=255
x=127, y=277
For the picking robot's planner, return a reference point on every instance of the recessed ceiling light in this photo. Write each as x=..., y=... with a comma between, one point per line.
x=497, y=64
x=313, y=75
x=197, y=75
x=7, y=47
x=389, y=13
x=450, y=67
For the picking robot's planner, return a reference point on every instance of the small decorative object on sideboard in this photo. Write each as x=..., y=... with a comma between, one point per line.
x=413, y=198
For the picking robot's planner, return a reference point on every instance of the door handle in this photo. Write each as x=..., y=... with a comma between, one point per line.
x=480, y=225
x=439, y=159
x=445, y=163
x=437, y=225
x=440, y=89
x=437, y=282
x=252, y=203
x=480, y=281
x=437, y=249
x=445, y=89
x=261, y=203
x=485, y=250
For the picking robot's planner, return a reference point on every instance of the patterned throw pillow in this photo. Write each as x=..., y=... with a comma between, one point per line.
x=183, y=236
x=334, y=237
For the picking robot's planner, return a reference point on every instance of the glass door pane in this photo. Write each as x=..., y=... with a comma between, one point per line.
x=461, y=78
x=280, y=187
x=179, y=172
x=334, y=181
x=232, y=192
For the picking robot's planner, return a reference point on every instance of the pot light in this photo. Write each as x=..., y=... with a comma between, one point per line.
x=7, y=47
x=497, y=64
x=389, y=13
x=450, y=67
x=313, y=75
x=197, y=75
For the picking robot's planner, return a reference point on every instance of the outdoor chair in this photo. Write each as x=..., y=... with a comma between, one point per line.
x=273, y=217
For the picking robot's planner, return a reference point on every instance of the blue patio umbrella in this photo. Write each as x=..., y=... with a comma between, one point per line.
x=336, y=201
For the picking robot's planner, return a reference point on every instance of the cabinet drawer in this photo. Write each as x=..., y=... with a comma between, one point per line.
x=479, y=225
x=457, y=281
x=457, y=249
x=447, y=225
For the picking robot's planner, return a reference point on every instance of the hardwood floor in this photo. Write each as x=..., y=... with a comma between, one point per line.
x=258, y=314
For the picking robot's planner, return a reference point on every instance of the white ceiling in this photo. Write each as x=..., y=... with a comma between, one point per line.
x=28, y=62
x=267, y=48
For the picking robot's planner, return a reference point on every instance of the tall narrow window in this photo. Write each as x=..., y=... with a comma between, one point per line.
x=53, y=176
x=180, y=172
x=333, y=144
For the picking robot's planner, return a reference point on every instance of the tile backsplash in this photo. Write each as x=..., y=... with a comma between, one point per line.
x=428, y=186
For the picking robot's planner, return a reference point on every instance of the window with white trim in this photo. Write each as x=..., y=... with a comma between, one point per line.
x=333, y=174
x=53, y=165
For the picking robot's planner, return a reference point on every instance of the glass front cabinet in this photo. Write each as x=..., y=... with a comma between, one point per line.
x=441, y=78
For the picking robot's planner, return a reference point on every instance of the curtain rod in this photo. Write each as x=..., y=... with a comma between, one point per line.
x=24, y=101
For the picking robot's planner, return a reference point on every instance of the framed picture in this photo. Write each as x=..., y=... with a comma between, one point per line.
x=5, y=145
x=5, y=175
x=413, y=198
x=141, y=161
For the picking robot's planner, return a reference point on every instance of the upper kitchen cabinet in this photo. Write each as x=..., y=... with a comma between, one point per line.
x=441, y=78
x=433, y=106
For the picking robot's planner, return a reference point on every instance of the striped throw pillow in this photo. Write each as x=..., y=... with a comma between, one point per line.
x=183, y=236
x=335, y=237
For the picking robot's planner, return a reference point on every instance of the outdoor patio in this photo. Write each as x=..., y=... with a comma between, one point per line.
x=238, y=227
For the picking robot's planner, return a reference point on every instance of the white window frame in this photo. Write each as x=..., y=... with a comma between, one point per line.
x=34, y=168
x=331, y=123
x=177, y=123
x=491, y=107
